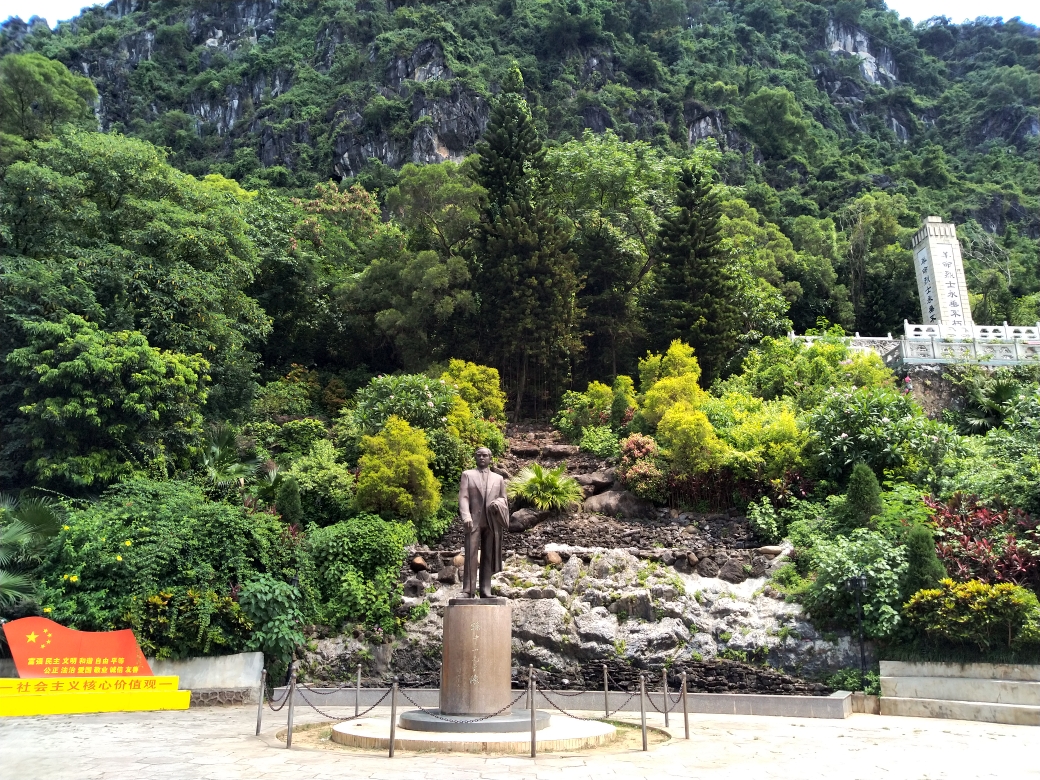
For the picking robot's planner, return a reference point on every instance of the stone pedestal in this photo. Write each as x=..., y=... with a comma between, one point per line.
x=477, y=657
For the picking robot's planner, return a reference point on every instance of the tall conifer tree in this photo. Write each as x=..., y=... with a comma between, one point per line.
x=696, y=295
x=525, y=276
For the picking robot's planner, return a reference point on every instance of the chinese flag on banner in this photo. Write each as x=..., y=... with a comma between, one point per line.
x=42, y=648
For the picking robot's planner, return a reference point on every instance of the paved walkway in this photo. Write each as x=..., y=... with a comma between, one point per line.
x=218, y=744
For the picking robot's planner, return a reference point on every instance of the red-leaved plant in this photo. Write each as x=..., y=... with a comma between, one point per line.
x=978, y=542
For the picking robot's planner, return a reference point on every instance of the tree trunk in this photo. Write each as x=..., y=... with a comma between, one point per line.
x=520, y=386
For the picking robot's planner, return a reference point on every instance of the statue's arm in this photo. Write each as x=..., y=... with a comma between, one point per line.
x=501, y=491
x=467, y=518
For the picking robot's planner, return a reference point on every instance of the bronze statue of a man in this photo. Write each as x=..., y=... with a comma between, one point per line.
x=485, y=516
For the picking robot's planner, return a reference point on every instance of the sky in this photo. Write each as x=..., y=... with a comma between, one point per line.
x=55, y=11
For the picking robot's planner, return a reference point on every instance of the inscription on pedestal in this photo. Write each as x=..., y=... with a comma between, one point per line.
x=475, y=677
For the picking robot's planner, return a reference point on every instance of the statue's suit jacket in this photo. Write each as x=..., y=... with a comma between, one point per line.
x=473, y=502
x=489, y=512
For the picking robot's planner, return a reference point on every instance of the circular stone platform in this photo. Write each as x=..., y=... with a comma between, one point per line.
x=432, y=720
x=562, y=733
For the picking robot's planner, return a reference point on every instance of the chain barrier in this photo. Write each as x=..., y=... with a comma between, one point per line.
x=340, y=717
x=557, y=707
x=335, y=688
x=270, y=700
x=438, y=716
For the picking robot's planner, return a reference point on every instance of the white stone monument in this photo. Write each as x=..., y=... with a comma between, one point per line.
x=940, y=275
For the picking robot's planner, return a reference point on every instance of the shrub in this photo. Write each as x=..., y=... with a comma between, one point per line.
x=623, y=403
x=986, y=544
x=664, y=395
x=1003, y=616
x=418, y=400
x=879, y=427
x=187, y=622
x=288, y=503
x=678, y=360
x=395, y=478
x=479, y=387
x=282, y=398
x=546, y=489
x=855, y=680
x=326, y=484
x=764, y=438
x=923, y=569
x=272, y=605
x=829, y=599
x=807, y=373
x=144, y=537
x=666, y=380
x=862, y=499
x=639, y=470
x=689, y=441
x=764, y=521
x=584, y=410
x=450, y=457
x=601, y=441
x=296, y=437
x=358, y=563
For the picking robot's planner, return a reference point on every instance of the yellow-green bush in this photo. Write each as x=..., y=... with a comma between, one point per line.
x=689, y=442
x=764, y=436
x=1003, y=616
x=666, y=393
x=395, y=479
x=679, y=360
x=667, y=380
x=479, y=387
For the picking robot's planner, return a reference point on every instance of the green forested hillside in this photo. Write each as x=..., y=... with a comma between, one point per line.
x=837, y=111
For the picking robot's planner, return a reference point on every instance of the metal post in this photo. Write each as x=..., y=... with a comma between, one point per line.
x=862, y=650
x=292, y=696
x=260, y=704
x=685, y=708
x=606, y=696
x=530, y=697
x=642, y=705
x=664, y=684
x=357, y=692
x=393, y=717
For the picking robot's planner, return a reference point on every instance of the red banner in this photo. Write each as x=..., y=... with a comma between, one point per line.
x=42, y=648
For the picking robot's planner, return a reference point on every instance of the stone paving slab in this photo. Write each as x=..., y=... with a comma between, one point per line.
x=219, y=744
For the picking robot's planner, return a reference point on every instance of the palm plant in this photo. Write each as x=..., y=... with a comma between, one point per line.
x=24, y=523
x=988, y=403
x=221, y=459
x=546, y=489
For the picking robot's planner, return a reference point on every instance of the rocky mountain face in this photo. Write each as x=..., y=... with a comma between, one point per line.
x=272, y=72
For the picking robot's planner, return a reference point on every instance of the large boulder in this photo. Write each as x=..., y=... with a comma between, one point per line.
x=546, y=622
x=733, y=571
x=619, y=502
x=525, y=518
x=597, y=481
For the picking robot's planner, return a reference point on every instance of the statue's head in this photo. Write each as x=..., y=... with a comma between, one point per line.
x=483, y=457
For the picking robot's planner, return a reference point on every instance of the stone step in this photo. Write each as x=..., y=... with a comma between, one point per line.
x=986, y=712
x=962, y=689
x=1026, y=672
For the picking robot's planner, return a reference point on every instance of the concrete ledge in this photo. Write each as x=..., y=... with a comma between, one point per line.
x=221, y=676
x=1024, y=672
x=866, y=704
x=836, y=706
x=1014, y=714
x=963, y=689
